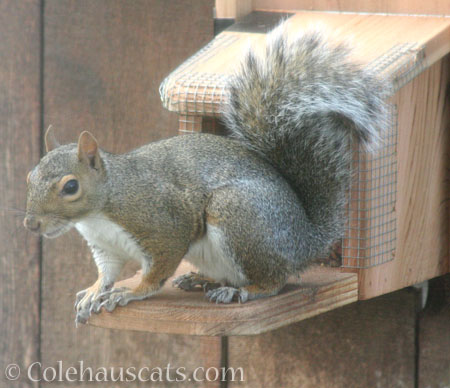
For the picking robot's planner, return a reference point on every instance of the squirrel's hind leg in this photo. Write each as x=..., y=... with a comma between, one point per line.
x=242, y=294
x=241, y=229
x=194, y=281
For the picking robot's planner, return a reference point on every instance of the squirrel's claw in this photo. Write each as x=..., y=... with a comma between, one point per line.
x=227, y=294
x=111, y=298
x=108, y=293
x=84, y=299
x=88, y=301
x=192, y=281
x=96, y=305
x=83, y=305
x=80, y=295
x=82, y=316
x=118, y=297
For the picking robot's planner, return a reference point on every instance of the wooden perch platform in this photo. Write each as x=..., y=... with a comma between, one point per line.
x=176, y=311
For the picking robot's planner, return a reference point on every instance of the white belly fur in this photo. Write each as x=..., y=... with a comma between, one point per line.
x=100, y=231
x=207, y=254
x=212, y=260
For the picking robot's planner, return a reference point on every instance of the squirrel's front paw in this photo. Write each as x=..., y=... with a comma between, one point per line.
x=88, y=301
x=227, y=294
x=83, y=303
x=118, y=297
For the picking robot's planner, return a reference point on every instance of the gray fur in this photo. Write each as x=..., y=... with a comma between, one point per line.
x=299, y=106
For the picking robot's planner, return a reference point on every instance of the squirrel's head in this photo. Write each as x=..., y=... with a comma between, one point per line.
x=65, y=186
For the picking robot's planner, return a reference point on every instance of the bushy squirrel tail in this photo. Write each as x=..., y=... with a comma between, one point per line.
x=298, y=104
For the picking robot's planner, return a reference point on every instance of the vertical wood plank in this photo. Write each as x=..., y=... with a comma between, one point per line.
x=104, y=61
x=19, y=150
x=365, y=344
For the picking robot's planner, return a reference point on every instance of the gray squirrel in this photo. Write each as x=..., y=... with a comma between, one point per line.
x=248, y=210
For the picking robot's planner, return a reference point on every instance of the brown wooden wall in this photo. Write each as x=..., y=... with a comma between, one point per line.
x=81, y=65
x=97, y=65
x=20, y=106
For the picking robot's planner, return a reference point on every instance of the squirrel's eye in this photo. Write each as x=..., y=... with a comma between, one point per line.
x=71, y=187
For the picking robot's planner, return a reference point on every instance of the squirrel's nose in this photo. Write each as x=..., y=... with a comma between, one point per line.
x=31, y=223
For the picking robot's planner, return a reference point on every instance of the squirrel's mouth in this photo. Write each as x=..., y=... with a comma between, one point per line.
x=53, y=233
x=56, y=229
x=48, y=226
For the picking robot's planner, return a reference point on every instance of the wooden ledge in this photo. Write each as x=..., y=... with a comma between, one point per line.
x=179, y=312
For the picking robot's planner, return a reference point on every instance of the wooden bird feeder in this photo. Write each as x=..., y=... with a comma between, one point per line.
x=397, y=232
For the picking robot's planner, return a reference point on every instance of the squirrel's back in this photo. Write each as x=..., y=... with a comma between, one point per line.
x=298, y=105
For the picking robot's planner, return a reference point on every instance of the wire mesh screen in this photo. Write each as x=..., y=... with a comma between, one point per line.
x=195, y=89
x=371, y=222
x=370, y=237
x=192, y=92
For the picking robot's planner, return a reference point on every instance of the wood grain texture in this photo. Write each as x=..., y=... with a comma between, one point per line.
x=422, y=186
x=19, y=150
x=435, y=7
x=233, y=9
x=175, y=311
x=104, y=61
x=365, y=344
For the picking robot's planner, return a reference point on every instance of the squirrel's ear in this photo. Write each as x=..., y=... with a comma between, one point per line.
x=88, y=150
x=50, y=139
